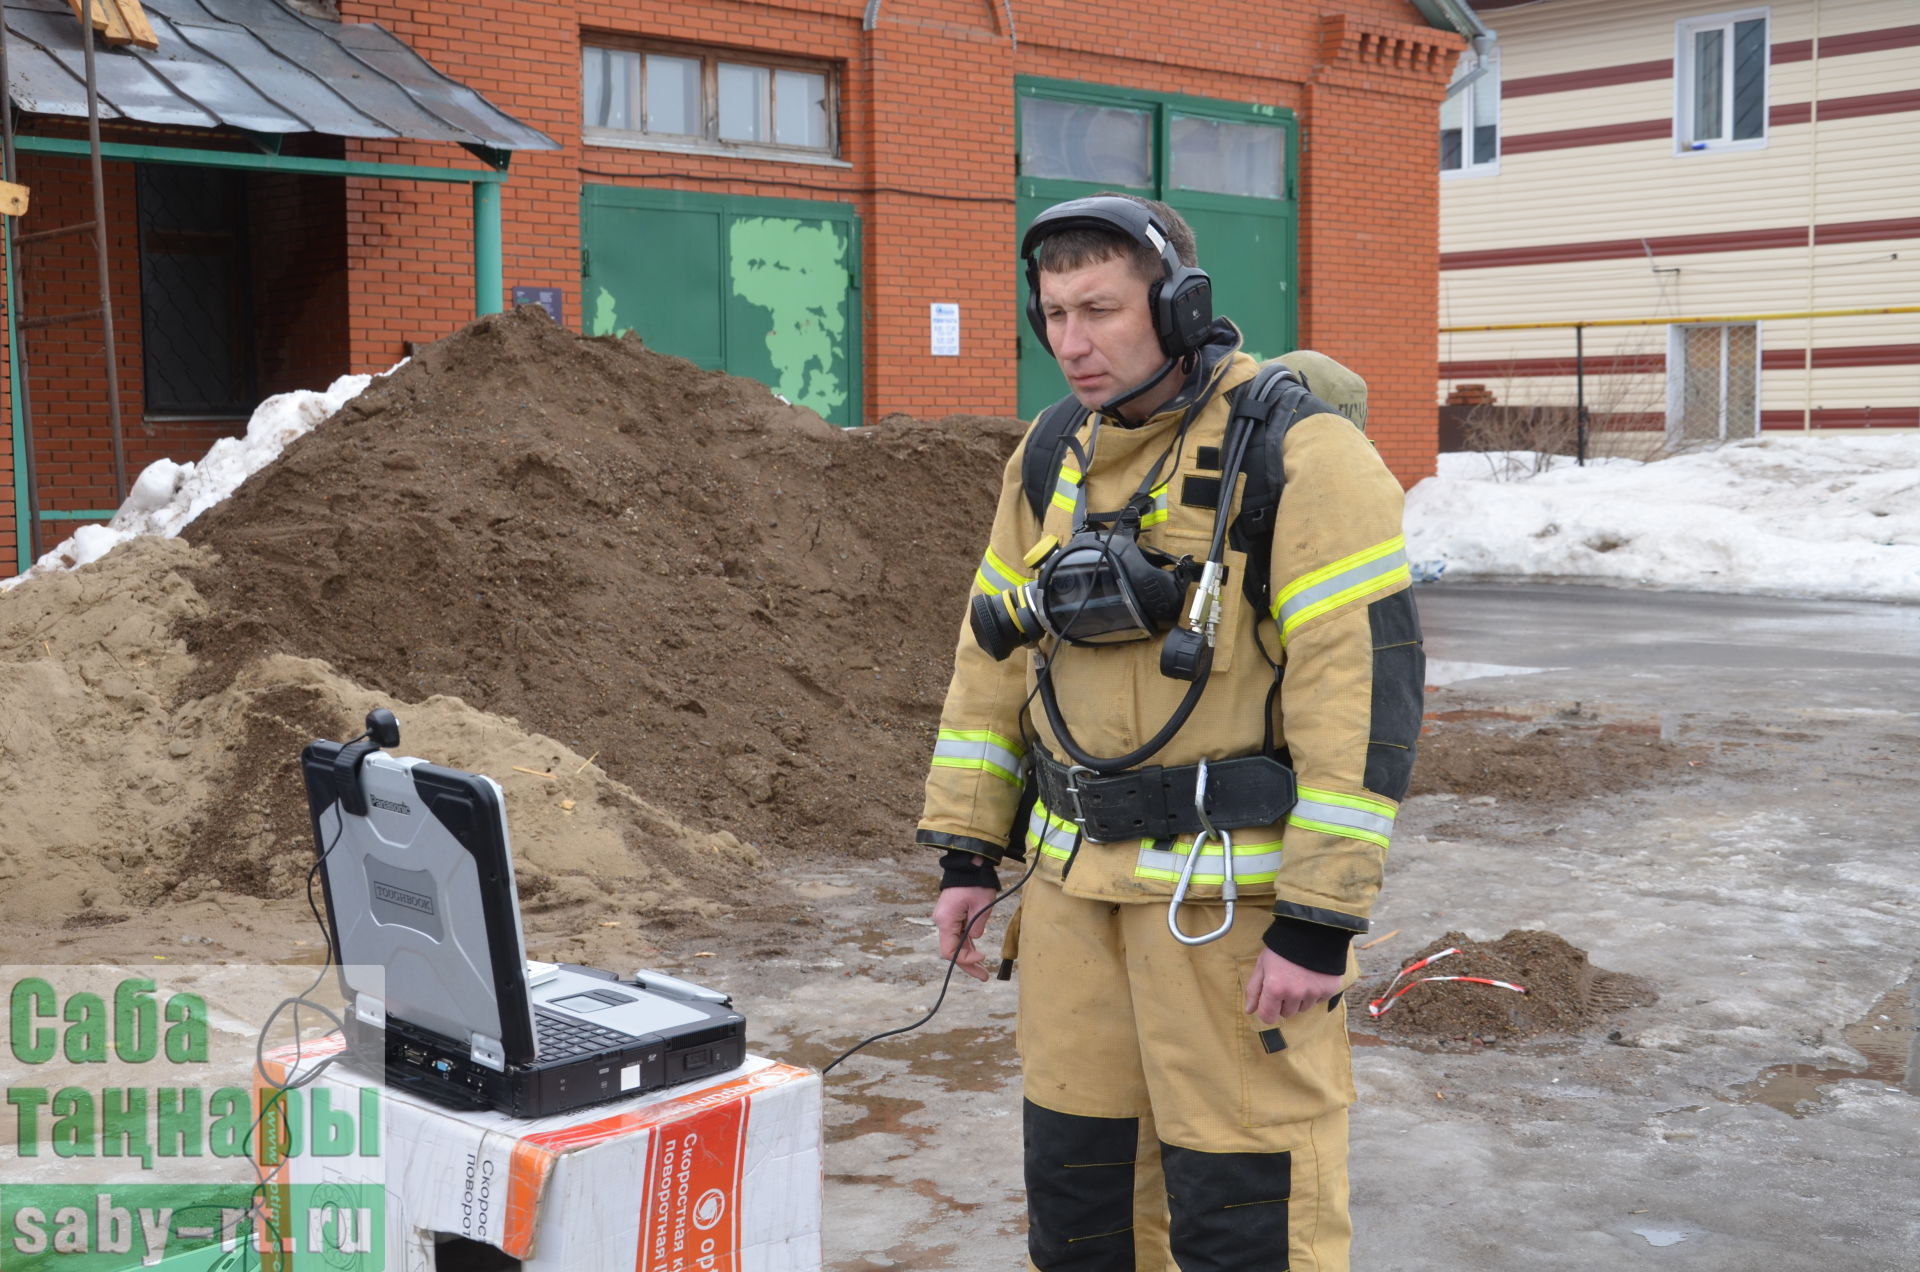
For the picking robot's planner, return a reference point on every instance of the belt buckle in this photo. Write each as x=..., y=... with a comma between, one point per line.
x=1072, y=792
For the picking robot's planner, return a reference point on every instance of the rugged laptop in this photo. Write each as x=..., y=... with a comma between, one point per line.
x=426, y=931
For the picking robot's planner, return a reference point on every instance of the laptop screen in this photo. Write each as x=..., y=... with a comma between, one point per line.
x=421, y=886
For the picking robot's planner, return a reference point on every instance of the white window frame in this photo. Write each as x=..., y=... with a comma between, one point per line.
x=1488, y=83
x=1683, y=75
x=710, y=141
x=1677, y=376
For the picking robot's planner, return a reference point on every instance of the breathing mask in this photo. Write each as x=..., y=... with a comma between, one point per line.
x=1102, y=586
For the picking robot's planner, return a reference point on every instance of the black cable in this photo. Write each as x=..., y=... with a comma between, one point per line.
x=257, y=1209
x=946, y=981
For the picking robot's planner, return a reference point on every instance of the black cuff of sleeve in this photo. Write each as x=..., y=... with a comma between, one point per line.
x=958, y=871
x=1314, y=946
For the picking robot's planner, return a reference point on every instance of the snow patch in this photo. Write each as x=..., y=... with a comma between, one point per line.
x=1784, y=516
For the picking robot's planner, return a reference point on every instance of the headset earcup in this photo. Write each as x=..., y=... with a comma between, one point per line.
x=1036, y=317
x=1182, y=311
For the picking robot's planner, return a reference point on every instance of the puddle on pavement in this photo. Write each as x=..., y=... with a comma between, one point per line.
x=1886, y=1036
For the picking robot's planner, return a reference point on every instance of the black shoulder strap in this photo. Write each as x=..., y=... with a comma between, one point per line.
x=1276, y=399
x=1046, y=447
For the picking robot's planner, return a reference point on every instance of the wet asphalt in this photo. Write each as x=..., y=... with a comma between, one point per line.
x=1764, y=1112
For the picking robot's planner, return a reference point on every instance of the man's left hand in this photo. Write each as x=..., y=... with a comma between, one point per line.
x=1279, y=988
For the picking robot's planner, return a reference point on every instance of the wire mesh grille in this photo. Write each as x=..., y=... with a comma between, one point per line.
x=194, y=291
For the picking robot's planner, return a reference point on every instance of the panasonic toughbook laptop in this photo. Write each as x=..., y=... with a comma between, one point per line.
x=426, y=931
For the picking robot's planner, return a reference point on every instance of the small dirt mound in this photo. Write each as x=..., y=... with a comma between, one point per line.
x=1566, y=994
x=1538, y=763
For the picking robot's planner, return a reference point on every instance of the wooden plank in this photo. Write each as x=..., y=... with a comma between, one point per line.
x=106, y=19
x=13, y=199
x=139, y=30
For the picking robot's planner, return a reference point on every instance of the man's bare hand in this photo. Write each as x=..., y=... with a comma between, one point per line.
x=1279, y=988
x=950, y=914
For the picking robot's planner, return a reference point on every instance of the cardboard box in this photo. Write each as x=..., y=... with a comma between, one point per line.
x=722, y=1175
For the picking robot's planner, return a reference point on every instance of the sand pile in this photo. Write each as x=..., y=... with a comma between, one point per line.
x=135, y=815
x=742, y=613
x=1565, y=993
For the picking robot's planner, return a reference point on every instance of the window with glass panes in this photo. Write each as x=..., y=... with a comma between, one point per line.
x=705, y=99
x=1721, y=79
x=1470, y=116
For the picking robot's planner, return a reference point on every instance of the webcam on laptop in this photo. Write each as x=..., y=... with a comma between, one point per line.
x=383, y=732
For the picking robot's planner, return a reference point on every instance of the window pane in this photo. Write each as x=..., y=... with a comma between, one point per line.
x=1749, y=79
x=1080, y=142
x=611, y=88
x=673, y=95
x=1707, y=84
x=1225, y=158
x=800, y=109
x=1453, y=114
x=746, y=97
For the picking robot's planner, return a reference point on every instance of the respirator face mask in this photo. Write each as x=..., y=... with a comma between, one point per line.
x=1101, y=587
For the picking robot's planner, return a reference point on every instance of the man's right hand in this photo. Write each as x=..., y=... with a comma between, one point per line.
x=951, y=915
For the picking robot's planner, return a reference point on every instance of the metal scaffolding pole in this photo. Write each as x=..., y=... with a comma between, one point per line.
x=87, y=41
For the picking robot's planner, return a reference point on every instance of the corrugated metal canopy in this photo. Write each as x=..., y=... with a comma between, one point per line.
x=256, y=65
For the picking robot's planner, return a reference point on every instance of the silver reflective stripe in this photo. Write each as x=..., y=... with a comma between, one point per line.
x=1052, y=835
x=978, y=749
x=1066, y=489
x=1314, y=810
x=996, y=576
x=1258, y=863
x=1378, y=572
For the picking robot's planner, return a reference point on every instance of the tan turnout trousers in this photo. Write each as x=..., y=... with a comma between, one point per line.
x=1161, y=1131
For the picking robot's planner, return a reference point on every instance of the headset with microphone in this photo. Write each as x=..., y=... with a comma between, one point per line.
x=1181, y=301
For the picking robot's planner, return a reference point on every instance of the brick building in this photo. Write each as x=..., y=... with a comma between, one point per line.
x=825, y=194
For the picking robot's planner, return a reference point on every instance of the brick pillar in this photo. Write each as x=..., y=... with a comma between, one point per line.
x=1369, y=218
x=941, y=224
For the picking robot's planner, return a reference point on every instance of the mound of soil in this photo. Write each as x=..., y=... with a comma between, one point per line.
x=739, y=611
x=1515, y=759
x=1565, y=994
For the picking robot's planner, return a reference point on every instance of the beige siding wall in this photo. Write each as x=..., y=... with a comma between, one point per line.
x=1863, y=168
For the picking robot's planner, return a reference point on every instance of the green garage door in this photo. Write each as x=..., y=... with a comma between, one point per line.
x=1226, y=166
x=767, y=288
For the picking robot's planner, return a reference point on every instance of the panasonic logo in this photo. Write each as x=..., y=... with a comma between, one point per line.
x=400, y=896
x=403, y=809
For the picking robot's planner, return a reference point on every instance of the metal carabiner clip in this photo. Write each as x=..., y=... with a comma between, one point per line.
x=1229, y=889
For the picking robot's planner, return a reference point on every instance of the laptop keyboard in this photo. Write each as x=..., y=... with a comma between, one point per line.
x=557, y=1037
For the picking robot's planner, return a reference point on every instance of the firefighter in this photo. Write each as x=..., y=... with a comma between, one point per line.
x=1200, y=733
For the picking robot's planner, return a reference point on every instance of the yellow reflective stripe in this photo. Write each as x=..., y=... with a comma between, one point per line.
x=1360, y=802
x=1158, y=513
x=981, y=750
x=1066, y=488
x=1346, y=580
x=1345, y=832
x=995, y=576
x=1053, y=836
x=1252, y=863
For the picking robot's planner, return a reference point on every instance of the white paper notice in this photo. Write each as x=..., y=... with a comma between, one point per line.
x=946, y=331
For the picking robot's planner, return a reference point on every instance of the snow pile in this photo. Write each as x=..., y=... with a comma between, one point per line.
x=1784, y=516
x=167, y=496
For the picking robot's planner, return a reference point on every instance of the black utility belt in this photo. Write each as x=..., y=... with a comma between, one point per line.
x=1156, y=802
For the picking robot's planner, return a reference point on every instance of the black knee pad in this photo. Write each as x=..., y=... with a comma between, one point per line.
x=1079, y=1190
x=1227, y=1211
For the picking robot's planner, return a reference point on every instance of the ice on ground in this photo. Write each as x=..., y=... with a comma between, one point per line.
x=1447, y=671
x=166, y=496
x=1784, y=516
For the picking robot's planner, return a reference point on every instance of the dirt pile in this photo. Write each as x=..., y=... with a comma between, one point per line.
x=135, y=814
x=1565, y=994
x=1567, y=753
x=739, y=611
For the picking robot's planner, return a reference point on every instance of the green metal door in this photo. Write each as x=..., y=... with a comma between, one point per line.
x=1227, y=167
x=766, y=288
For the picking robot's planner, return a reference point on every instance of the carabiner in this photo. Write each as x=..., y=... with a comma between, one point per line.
x=1229, y=889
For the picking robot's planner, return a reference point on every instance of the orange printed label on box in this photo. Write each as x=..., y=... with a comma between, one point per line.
x=690, y=1211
